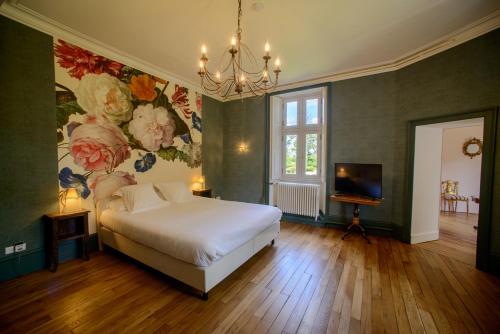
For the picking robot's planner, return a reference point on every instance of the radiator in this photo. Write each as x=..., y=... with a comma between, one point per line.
x=298, y=198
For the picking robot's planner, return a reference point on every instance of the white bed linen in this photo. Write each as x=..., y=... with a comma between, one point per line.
x=199, y=232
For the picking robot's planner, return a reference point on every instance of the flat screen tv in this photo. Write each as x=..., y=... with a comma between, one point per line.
x=358, y=179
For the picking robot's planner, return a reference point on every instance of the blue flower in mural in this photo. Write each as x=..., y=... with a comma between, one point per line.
x=196, y=121
x=67, y=179
x=186, y=138
x=145, y=163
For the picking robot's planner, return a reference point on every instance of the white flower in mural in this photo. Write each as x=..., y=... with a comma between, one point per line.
x=105, y=185
x=104, y=96
x=193, y=151
x=153, y=127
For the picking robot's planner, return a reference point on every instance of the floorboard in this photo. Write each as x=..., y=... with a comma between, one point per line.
x=309, y=282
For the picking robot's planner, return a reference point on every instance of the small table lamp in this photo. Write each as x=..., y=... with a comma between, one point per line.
x=70, y=200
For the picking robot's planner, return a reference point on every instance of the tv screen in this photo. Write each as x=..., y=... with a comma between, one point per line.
x=358, y=179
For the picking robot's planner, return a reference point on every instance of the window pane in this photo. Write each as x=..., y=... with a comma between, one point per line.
x=312, y=111
x=312, y=154
x=291, y=113
x=291, y=154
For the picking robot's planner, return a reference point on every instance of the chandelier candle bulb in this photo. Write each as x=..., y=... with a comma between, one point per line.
x=203, y=50
x=233, y=41
x=267, y=48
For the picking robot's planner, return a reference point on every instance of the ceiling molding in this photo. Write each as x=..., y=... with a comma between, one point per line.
x=16, y=11
x=22, y=14
x=460, y=36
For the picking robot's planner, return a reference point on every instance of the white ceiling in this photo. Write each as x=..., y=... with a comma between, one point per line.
x=313, y=38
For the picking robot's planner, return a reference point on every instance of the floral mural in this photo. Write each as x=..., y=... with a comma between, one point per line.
x=111, y=113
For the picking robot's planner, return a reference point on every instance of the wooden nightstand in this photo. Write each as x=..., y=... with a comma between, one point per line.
x=65, y=226
x=203, y=193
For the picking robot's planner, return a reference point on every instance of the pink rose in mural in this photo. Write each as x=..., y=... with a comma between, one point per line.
x=105, y=185
x=98, y=146
x=152, y=127
x=180, y=100
x=105, y=97
x=81, y=61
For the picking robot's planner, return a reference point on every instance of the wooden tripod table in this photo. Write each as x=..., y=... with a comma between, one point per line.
x=356, y=226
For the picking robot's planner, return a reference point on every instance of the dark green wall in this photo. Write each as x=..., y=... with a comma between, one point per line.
x=370, y=116
x=369, y=123
x=243, y=173
x=212, y=144
x=28, y=145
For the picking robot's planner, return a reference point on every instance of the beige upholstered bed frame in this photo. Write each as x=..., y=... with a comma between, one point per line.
x=201, y=278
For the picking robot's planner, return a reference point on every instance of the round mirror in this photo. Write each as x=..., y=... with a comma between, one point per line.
x=473, y=147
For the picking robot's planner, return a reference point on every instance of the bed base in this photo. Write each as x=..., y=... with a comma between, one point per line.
x=200, y=278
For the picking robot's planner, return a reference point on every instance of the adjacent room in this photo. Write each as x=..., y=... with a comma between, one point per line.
x=249, y=166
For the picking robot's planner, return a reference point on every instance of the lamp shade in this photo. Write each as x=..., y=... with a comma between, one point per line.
x=71, y=201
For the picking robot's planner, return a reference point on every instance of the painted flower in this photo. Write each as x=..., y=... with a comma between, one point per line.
x=193, y=152
x=105, y=97
x=98, y=146
x=67, y=179
x=180, y=100
x=145, y=163
x=196, y=121
x=186, y=138
x=81, y=61
x=153, y=127
x=198, y=102
x=105, y=185
x=143, y=87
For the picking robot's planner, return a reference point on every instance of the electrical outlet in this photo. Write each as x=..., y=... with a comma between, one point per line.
x=19, y=247
x=9, y=250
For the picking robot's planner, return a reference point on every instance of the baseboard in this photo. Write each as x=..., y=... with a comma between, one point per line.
x=424, y=237
x=302, y=219
x=34, y=260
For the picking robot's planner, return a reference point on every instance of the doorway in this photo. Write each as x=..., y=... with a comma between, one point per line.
x=424, y=182
x=446, y=187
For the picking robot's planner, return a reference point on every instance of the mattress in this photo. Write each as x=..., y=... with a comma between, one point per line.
x=199, y=232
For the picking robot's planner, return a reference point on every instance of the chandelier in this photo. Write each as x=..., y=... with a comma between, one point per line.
x=233, y=77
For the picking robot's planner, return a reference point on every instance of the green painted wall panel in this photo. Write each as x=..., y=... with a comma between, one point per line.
x=28, y=164
x=464, y=78
x=212, y=144
x=243, y=173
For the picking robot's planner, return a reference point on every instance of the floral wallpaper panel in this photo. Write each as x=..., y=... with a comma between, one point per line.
x=116, y=124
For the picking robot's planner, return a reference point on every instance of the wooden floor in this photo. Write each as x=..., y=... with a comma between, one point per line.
x=310, y=282
x=457, y=237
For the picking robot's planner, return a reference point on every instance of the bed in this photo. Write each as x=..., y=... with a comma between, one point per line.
x=199, y=242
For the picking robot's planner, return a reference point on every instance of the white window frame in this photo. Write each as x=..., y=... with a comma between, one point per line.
x=301, y=129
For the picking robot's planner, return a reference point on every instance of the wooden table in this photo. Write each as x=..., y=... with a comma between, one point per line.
x=355, y=225
x=65, y=226
x=203, y=193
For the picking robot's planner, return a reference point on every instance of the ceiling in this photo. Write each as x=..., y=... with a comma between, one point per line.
x=313, y=38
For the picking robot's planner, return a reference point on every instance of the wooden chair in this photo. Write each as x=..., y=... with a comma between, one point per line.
x=450, y=196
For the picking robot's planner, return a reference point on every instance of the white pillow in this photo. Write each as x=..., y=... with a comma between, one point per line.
x=117, y=204
x=175, y=192
x=140, y=197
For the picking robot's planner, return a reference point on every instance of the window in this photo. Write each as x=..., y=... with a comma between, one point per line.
x=291, y=113
x=301, y=132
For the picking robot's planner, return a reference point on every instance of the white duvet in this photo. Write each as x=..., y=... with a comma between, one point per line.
x=199, y=232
